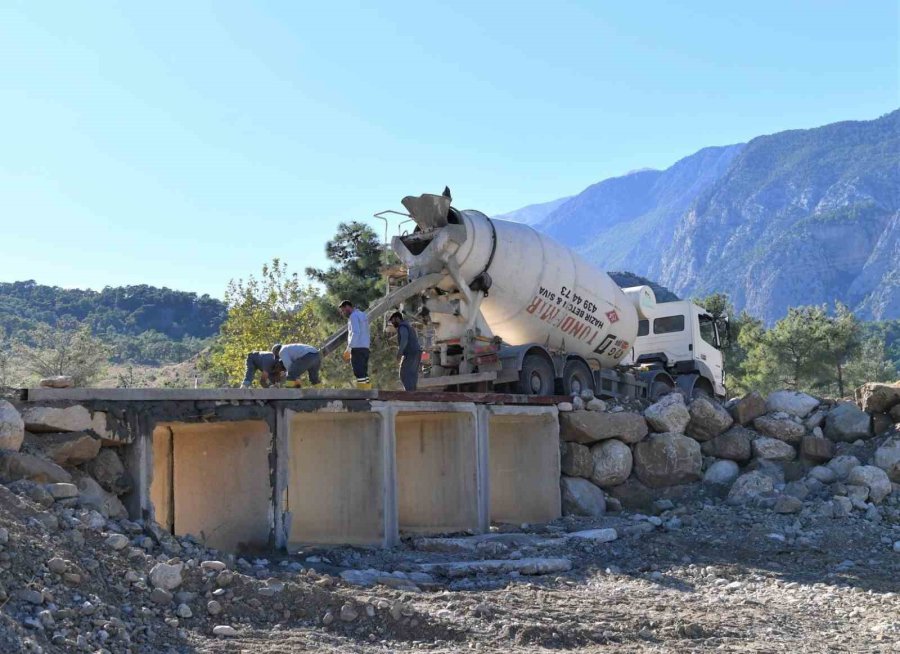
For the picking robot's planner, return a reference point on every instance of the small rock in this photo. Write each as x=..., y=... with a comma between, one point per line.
x=12, y=427
x=750, y=487
x=29, y=595
x=668, y=414
x=597, y=535
x=817, y=450
x=846, y=423
x=224, y=578
x=62, y=491
x=224, y=630
x=184, y=611
x=57, y=565
x=874, y=478
x=748, y=408
x=215, y=566
x=117, y=541
x=166, y=576
x=213, y=607
x=791, y=402
x=773, y=449
x=564, y=407
x=51, y=419
x=595, y=404
x=581, y=497
x=842, y=465
x=784, y=429
x=161, y=596
x=823, y=474
x=788, y=504
x=348, y=612
x=721, y=473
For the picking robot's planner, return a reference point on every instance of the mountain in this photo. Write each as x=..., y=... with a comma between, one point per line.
x=798, y=217
x=533, y=213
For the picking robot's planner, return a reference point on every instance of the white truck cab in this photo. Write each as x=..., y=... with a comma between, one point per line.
x=683, y=338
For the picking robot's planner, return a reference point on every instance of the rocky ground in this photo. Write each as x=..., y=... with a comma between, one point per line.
x=686, y=530
x=699, y=576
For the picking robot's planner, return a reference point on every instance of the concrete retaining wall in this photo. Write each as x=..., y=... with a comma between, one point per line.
x=349, y=468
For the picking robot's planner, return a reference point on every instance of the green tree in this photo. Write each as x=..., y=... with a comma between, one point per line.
x=68, y=349
x=840, y=344
x=871, y=363
x=357, y=257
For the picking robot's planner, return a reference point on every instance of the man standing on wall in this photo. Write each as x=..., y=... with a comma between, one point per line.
x=408, y=351
x=357, y=343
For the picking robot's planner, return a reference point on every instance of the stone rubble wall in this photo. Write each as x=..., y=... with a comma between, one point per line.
x=775, y=452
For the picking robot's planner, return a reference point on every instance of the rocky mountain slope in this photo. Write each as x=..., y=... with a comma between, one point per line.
x=797, y=217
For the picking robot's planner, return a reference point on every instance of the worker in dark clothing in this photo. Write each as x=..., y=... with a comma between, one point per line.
x=266, y=364
x=297, y=358
x=408, y=351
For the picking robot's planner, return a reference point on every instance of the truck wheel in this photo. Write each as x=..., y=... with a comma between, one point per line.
x=536, y=376
x=577, y=377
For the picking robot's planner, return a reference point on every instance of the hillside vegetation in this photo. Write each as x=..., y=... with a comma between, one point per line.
x=138, y=324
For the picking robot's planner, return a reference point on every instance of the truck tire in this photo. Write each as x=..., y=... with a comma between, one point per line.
x=536, y=376
x=576, y=377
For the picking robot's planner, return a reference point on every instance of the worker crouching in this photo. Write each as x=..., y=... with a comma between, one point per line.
x=297, y=358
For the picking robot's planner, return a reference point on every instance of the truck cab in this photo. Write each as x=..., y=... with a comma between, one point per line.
x=686, y=340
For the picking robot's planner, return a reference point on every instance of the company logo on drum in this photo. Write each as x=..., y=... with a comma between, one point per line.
x=612, y=316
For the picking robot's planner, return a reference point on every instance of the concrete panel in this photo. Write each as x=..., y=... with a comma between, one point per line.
x=336, y=478
x=523, y=467
x=221, y=480
x=161, y=495
x=436, y=456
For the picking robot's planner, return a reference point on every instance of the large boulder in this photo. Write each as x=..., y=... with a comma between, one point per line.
x=634, y=495
x=887, y=457
x=875, y=479
x=91, y=495
x=773, y=449
x=791, y=402
x=576, y=460
x=815, y=449
x=668, y=459
x=588, y=427
x=734, y=445
x=19, y=465
x=878, y=397
x=109, y=472
x=581, y=497
x=708, y=419
x=70, y=448
x=721, y=473
x=842, y=465
x=12, y=427
x=847, y=423
x=748, y=408
x=750, y=488
x=46, y=418
x=783, y=429
x=668, y=415
x=612, y=463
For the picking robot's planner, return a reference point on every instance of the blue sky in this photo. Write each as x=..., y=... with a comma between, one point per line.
x=184, y=144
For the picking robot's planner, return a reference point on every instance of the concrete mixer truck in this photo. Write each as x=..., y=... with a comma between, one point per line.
x=507, y=308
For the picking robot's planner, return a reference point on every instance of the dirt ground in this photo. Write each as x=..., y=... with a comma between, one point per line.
x=700, y=576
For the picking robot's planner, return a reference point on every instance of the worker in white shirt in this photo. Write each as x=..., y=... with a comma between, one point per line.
x=357, y=343
x=298, y=358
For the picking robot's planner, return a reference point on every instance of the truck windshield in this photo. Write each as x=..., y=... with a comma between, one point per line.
x=708, y=330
